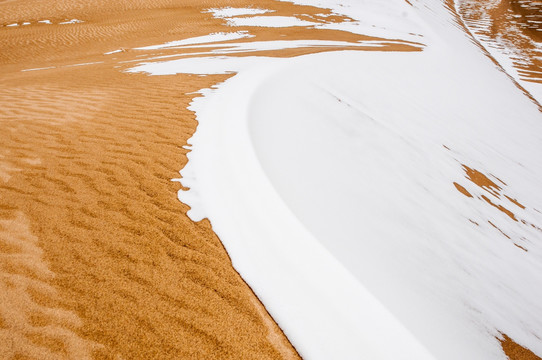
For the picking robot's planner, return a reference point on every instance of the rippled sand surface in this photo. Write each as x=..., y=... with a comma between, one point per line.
x=97, y=256
x=512, y=27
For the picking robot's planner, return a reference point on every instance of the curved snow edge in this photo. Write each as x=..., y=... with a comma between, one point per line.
x=321, y=307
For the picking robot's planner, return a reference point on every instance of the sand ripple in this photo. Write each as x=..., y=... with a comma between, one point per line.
x=98, y=258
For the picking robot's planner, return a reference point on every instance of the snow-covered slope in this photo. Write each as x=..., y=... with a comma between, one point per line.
x=383, y=205
x=505, y=35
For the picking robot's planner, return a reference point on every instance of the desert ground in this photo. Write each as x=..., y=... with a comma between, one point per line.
x=98, y=258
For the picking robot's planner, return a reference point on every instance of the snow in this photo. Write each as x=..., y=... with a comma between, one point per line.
x=211, y=38
x=42, y=68
x=12, y=25
x=218, y=64
x=113, y=52
x=391, y=19
x=330, y=180
x=84, y=64
x=281, y=241
x=269, y=21
x=503, y=51
x=203, y=66
x=72, y=21
x=237, y=17
x=48, y=22
x=230, y=12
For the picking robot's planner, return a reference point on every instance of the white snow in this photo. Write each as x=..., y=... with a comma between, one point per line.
x=211, y=38
x=72, y=21
x=48, y=22
x=504, y=52
x=230, y=12
x=42, y=68
x=114, y=52
x=329, y=179
x=12, y=25
x=206, y=65
x=84, y=64
x=378, y=18
x=269, y=21
x=219, y=64
x=238, y=17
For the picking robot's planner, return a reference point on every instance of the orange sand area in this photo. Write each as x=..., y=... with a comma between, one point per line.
x=97, y=256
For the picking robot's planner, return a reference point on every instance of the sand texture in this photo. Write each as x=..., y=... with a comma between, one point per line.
x=517, y=23
x=98, y=259
x=97, y=256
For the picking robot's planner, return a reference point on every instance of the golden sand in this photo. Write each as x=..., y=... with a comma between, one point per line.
x=505, y=24
x=496, y=192
x=516, y=22
x=97, y=256
x=515, y=351
x=462, y=190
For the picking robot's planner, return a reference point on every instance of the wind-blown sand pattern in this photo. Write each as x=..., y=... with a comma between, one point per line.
x=32, y=324
x=87, y=157
x=139, y=274
x=363, y=145
x=98, y=258
x=512, y=33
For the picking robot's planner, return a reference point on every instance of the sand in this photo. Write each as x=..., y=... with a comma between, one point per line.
x=512, y=27
x=97, y=256
x=516, y=22
x=98, y=259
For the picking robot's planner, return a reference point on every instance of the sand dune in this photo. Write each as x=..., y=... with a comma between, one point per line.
x=87, y=157
x=511, y=32
x=98, y=258
x=357, y=144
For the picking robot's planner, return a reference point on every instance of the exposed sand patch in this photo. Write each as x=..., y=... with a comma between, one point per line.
x=462, y=190
x=485, y=183
x=515, y=351
x=482, y=181
x=490, y=187
x=510, y=32
x=495, y=196
x=514, y=23
x=515, y=202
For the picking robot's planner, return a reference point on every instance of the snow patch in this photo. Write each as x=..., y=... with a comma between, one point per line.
x=42, y=68
x=217, y=64
x=211, y=38
x=72, y=21
x=269, y=21
x=230, y=12
x=114, y=52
